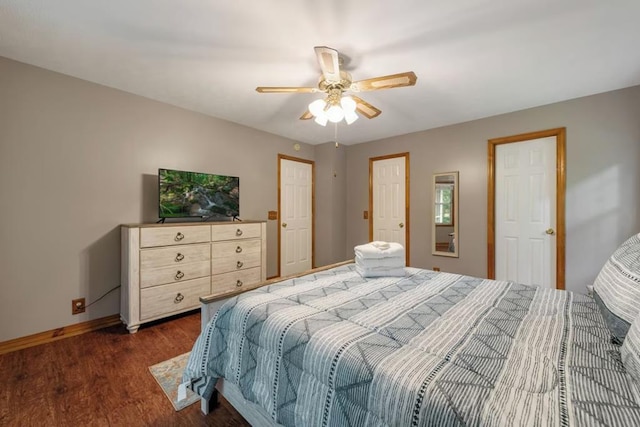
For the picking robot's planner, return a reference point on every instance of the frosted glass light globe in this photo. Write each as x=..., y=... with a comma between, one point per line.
x=317, y=107
x=348, y=104
x=321, y=119
x=350, y=117
x=335, y=114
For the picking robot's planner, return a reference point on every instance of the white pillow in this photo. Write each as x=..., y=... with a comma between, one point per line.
x=617, y=288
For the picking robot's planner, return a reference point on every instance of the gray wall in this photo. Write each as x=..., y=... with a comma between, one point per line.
x=330, y=199
x=603, y=180
x=76, y=160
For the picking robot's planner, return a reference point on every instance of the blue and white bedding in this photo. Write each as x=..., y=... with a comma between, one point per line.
x=333, y=348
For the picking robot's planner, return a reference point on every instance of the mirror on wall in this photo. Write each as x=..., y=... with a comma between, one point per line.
x=445, y=214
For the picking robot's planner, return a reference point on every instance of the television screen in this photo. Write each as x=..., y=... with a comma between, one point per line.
x=193, y=194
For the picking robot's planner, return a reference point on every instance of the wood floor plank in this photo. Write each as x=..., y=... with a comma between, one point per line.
x=102, y=378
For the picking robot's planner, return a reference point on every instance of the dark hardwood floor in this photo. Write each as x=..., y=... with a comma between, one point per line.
x=102, y=379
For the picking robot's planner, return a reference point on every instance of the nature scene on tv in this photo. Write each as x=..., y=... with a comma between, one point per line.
x=184, y=194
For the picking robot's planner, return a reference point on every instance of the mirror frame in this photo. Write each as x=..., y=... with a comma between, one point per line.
x=456, y=219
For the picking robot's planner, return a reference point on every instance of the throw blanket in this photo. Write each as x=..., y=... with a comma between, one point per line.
x=429, y=349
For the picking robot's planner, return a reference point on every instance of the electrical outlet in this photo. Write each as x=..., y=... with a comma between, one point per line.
x=77, y=306
x=436, y=268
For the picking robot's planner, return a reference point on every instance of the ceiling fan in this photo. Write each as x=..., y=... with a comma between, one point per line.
x=335, y=82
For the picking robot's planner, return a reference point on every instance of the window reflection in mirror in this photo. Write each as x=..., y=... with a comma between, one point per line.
x=445, y=214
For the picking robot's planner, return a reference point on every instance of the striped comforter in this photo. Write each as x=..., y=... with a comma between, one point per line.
x=428, y=349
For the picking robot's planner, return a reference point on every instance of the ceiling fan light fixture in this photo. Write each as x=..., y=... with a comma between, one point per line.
x=335, y=114
x=321, y=119
x=334, y=109
x=317, y=107
x=348, y=104
x=350, y=117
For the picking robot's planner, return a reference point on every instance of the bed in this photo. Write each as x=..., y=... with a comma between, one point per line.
x=333, y=348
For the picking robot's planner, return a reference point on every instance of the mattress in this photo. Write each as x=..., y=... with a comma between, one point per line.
x=429, y=348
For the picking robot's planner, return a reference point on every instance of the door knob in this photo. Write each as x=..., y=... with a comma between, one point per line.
x=284, y=225
x=550, y=231
x=401, y=224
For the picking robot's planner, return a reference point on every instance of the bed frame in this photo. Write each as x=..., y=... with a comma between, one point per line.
x=251, y=412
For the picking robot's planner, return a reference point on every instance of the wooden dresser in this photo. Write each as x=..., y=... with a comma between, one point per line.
x=167, y=267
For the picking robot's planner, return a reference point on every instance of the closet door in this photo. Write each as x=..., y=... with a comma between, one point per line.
x=389, y=199
x=526, y=196
x=296, y=215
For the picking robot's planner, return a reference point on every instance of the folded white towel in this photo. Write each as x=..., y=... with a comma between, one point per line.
x=380, y=244
x=369, y=270
x=388, y=272
x=390, y=262
x=371, y=251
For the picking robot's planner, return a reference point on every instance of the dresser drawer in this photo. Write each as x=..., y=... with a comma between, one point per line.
x=235, y=262
x=236, y=247
x=174, y=273
x=178, y=235
x=166, y=299
x=174, y=255
x=235, y=231
x=235, y=281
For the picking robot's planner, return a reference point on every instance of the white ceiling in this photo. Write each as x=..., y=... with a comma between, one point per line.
x=473, y=58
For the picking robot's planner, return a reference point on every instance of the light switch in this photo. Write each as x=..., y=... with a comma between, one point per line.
x=273, y=215
x=365, y=215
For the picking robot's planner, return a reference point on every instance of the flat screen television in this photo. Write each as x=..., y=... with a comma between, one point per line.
x=193, y=194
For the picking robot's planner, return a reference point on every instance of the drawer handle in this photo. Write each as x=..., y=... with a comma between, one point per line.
x=238, y=283
x=178, y=298
x=238, y=232
x=179, y=275
x=179, y=257
x=238, y=249
x=239, y=264
x=179, y=236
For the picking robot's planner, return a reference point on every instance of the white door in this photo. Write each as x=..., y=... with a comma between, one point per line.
x=296, y=216
x=525, y=212
x=389, y=221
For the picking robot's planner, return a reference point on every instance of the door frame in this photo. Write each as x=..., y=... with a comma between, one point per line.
x=560, y=134
x=407, y=203
x=313, y=206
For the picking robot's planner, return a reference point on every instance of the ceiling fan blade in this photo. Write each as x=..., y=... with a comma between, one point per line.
x=329, y=62
x=366, y=109
x=278, y=89
x=385, y=82
x=306, y=116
